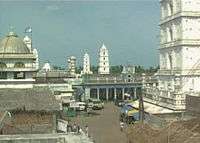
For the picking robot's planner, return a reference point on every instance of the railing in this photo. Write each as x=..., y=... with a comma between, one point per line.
x=106, y=80
x=32, y=68
x=180, y=42
x=164, y=98
x=196, y=71
x=178, y=14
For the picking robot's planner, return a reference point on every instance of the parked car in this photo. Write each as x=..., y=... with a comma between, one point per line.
x=89, y=103
x=98, y=104
x=79, y=106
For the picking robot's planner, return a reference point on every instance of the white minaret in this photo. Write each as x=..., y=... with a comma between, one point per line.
x=46, y=67
x=72, y=65
x=27, y=40
x=86, y=64
x=103, y=61
x=179, y=53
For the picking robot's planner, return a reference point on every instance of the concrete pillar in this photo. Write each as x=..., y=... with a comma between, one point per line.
x=135, y=92
x=115, y=93
x=54, y=123
x=107, y=92
x=98, y=93
x=87, y=93
x=123, y=92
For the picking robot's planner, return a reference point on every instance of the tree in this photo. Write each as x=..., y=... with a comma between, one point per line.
x=116, y=69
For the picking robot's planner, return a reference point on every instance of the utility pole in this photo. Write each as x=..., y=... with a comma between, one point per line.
x=141, y=101
x=141, y=108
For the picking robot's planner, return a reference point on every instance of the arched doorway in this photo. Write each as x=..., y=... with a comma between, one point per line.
x=3, y=74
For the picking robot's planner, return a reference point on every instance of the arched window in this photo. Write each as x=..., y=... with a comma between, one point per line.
x=171, y=34
x=2, y=65
x=171, y=8
x=19, y=65
x=3, y=74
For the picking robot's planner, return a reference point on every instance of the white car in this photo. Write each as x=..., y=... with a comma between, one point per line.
x=80, y=106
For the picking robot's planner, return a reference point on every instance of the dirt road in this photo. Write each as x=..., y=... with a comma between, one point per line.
x=104, y=127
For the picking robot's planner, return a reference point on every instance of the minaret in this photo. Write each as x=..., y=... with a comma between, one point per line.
x=179, y=52
x=103, y=61
x=72, y=65
x=28, y=42
x=46, y=67
x=86, y=64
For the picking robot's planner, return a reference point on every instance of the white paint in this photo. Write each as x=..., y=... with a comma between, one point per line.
x=86, y=64
x=46, y=67
x=72, y=65
x=179, y=71
x=103, y=61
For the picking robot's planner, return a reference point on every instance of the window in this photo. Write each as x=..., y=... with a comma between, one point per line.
x=171, y=34
x=2, y=65
x=19, y=75
x=19, y=65
x=3, y=75
x=171, y=8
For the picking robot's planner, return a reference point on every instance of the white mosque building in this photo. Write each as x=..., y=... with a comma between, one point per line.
x=103, y=61
x=18, y=62
x=179, y=52
x=86, y=64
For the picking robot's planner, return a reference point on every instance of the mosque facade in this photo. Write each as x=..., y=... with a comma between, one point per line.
x=18, y=61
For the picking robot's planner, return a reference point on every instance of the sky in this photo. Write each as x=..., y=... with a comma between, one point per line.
x=60, y=29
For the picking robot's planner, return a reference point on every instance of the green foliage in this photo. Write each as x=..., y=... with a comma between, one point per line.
x=139, y=69
x=150, y=70
x=116, y=69
x=94, y=69
x=79, y=69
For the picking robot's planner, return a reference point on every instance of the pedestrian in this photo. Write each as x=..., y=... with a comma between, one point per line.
x=78, y=129
x=86, y=130
x=74, y=128
x=121, y=126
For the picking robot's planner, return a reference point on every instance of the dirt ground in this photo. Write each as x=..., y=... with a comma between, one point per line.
x=176, y=132
x=104, y=126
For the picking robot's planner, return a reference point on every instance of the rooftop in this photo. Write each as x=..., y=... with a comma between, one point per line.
x=12, y=44
x=36, y=99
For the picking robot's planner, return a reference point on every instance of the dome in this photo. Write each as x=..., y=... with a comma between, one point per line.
x=12, y=44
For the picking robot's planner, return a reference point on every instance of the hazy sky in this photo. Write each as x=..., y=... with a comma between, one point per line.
x=129, y=29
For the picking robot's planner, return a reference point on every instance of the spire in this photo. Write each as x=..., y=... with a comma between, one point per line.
x=11, y=32
x=103, y=46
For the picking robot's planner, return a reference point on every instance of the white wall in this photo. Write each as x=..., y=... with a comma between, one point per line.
x=190, y=5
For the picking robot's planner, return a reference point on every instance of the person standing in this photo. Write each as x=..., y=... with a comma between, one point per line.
x=86, y=130
x=121, y=126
